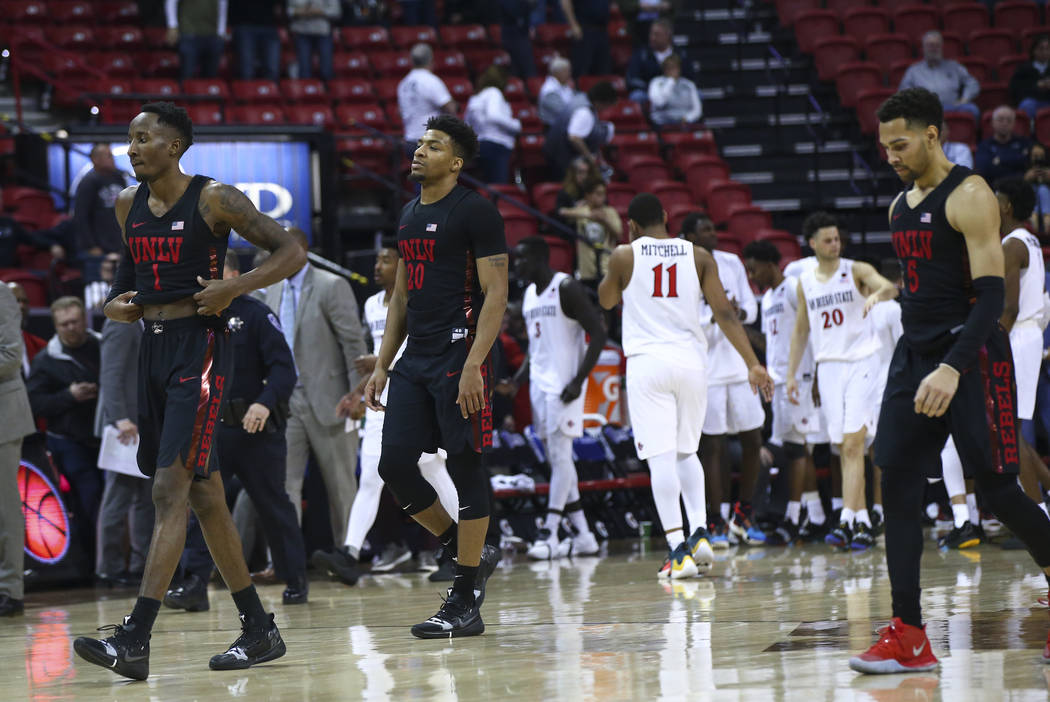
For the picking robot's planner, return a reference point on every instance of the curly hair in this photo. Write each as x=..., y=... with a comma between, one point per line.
x=919, y=107
x=817, y=221
x=1020, y=195
x=763, y=251
x=464, y=140
x=171, y=115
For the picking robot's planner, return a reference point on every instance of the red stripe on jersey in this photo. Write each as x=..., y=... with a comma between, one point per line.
x=990, y=411
x=468, y=292
x=199, y=421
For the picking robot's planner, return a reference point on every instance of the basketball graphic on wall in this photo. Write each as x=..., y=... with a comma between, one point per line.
x=47, y=525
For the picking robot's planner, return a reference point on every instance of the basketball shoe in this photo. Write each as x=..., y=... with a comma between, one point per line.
x=785, y=534
x=719, y=532
x=901, y=648
x=812, y=533
x=679, y=564
x=191, y=595
x=863, y=537
x=455, y=618
x=256, y=644
x=841, y=536
x=700, y=549
x=124, y=652
x=1046, y=650
x=585, y=544
x=740, y=524
x=338, y=562
x=965, y=536
x=446, y=568
x=547, y=547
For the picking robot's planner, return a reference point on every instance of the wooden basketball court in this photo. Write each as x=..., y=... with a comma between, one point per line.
x=767, y=624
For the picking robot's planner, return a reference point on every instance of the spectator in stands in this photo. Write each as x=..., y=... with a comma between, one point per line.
x=310, y=22
x=949, y=79
x=1030, y=83
x=97, y=229
x=255, y=38
x=31, y=343
x=588, y=21
x=95, y=293
x=578, y=131
x=421, y=95
x=955, y=151
x=641, y=14
x=557, y=90
x=489, y=113
x=515, y=36
x=598, y=227
x=1038, y=176
x=197, y=27
x=647, y=62
x=1004, y=154
x=579, y=172
x=63, y=389
x=418, y=12
x=12, y=235
x=672, y=98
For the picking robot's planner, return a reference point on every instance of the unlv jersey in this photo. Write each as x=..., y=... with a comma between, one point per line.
x=662, y=303
x=557, y=342
x=839, y=330
x=779, y=309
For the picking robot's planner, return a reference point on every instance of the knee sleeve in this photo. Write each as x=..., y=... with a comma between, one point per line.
x=793, y=452
x=399, y=469
x=472, y=484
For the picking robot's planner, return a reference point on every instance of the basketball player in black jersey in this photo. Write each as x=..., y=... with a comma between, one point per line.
x=449, y=299
x=952, y=370
x=175, y=229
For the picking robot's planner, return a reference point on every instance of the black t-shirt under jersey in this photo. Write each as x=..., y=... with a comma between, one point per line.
x=440, y=244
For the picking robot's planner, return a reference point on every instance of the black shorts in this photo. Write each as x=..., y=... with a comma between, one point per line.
x=184, y=369
x=982, y=417
x=421, y=409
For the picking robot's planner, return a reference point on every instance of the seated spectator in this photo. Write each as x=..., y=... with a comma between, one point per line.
x=949, y=79
x=640, y=15
x=310, y=22
x=12, y=234
x=1004, y=154
x=1038, y=176
x=1030, y=84
x=579, y=172
x=255, y=38
x=955, y=151
x=95, y=293
x=672, y=98
x=515, y=29
x=489, y=113
x=94, y=219
x=557, y=90
x=578, y=131
x=421, y=95
x=647, y=62
x=197, y=27
x=599, y=228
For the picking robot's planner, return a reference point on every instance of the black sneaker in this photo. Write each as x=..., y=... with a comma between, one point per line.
x=446, y=570
x=455, y=618
x=863, y=537
x=812, y=533
x=840, y=536
x=965, y=536
x=254, y=645
x=337, y=562
x=123, y=652
x=785, y=533
x=489, y=560
x=191, y=595
x=878, y=524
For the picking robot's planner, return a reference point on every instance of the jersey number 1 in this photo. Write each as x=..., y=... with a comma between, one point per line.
x=672, y=280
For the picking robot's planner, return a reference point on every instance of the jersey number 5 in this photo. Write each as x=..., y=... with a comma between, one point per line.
x=415, y=275
x=672, y=280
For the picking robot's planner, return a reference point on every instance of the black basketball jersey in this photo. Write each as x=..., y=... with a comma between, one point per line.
x=440, y=244
x=170, y=251
x=937, y=290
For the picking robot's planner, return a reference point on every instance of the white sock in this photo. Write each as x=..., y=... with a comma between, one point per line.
x=691, y=478
x=861, y=517
x=961, y=513
x=814, y=507
x=723, y=509
x=551, y=525
x=971, y=502
x=667, y=492
x=794, y=509
x=836, y=503
x=366, y=504
x=579, y=521
x=847, y=516
x=952, y=470
x=933, y=510
x=563, y=474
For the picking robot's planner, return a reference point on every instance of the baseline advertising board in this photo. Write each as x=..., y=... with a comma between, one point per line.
x=276, y=176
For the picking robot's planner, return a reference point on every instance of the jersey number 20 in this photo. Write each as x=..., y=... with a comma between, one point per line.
x=672, y=280
x=832, y=319
x=414, y=273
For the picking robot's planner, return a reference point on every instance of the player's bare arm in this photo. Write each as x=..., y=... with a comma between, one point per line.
x=577, y=306
x=621, y=266
x=492, y=276
x=120, y=308
x=799, y=339
x=728, y=321
x=226, y=208
x=972, y=209
x=393, y=337
x=874, y=286
x=1015, y=258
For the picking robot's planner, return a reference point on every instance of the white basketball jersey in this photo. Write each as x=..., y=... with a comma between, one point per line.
x=556, y=341
x=375, y=320
x=662, y=303
x=796, y=268
x=779, y=309
x=838, y=329
x=886, y=316
x=1033, y=278
x=725, y=365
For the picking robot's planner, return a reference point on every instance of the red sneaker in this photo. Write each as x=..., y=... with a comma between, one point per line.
x=901, y=648
x=1046, y=650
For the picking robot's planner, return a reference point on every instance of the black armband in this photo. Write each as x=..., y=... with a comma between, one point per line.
x=984, y=315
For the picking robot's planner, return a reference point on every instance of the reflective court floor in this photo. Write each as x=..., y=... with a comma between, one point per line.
x=766, y=624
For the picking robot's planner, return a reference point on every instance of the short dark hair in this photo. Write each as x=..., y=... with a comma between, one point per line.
x=170, y=114
x=602, y=92
x=592, y=184
x=389, y=242
x=464, y=140
x=762, y=250
x=816, y=221
x=691, y=220
x=919, y=107
x=1020, y=195
x=536, y=246
x=646, y=210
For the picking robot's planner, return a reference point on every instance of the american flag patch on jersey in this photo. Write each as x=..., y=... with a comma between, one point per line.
x=432, y=227
x=178, y=226
x=925, y=217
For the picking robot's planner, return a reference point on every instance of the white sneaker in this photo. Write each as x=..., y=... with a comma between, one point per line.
x=585, y=544
x=546, y=547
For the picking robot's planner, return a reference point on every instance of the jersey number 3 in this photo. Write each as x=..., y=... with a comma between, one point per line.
x=672, y=280
x=415, y=275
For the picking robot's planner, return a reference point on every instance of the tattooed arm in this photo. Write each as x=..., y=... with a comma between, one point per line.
x=226, y=208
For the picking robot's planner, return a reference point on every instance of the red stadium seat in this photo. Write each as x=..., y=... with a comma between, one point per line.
x=120, y=38
x=964, y=18
x=1008, y=64
x=212, y=87
x=618, y=83
x=813, y=25
x=864, y=21
x=992, y=43
x=642, y=170
x=1042, y=126
x=460, y=88
x=788, y=10
x=529, y=117
x=25, y=12
x=386, y=90
x=304, y=90
x=34, y=285
x=627, y=116
x=831, y=53
x=544, y=195
x=205, y=113
x=370, y=115
x=318, y=115
x=529, y=154
x=992, y=95
x=73, y=37
x=840, y=6
x=897, y=71
x=257, y=114
x=373, y=154
x=744, y=222
x=257, y=91
x=367, y=39
x=786, y=242
x=160, y=64
x=465, y=36
x=962, y=127
x=954, y=46
x=517, y=225
x=407, y=37
x=672, y=193
x=71, y=12
x=676, y=214
x=854, y=77
x=21, y=197
x=703, y=171
x=157, y=86
x=554, y=36
x=679, y=146
x=450, y=64
x=118, y=111
x=978, y=67
x=115, y=63
x=636, y=144
x=352, y=91
x=730, y=244
x=514, y=91
x=117, y=12
x=619, y=195
x=868, y=102
x=1016, y=15
x=725, y=197
x=351, y=65
x=887, y=49
x=1022, y=125
x=562, y=254
x=391, y=64
x=915, y=20
x=500, y=192
x=482, y=58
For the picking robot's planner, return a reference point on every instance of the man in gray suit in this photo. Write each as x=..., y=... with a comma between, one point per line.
x=320, y=320
x=16, y=421
x=118, y=406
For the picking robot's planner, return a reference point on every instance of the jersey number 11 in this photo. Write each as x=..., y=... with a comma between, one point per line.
x=672, y=280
